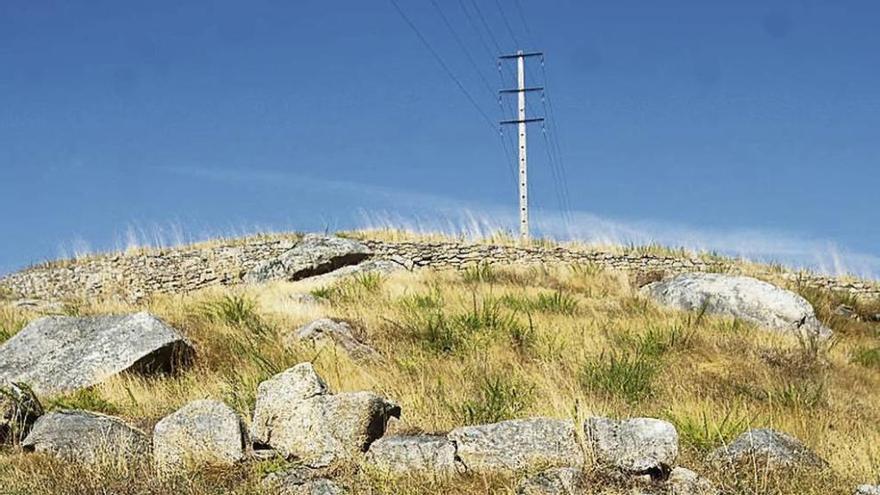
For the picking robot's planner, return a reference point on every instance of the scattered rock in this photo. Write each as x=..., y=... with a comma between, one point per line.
x=638, y=446
x=19, y=408
x=313, y=255
x=741, y=297
x=413, y=454
x=556, y=481
x=85, y=437
x=517, y=445
x=868, y=490
x=683, y=481
x=59, y=354
x=774, y=448
x=300, y=481
x=846, y=311
x=296, y=414
x=325, y=330
x=40, y=306
x=201, y=432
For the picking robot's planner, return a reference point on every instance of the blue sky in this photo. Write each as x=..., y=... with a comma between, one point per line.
x=748, y=127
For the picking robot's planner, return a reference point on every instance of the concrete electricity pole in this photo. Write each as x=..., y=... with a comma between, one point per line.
x=521, y=122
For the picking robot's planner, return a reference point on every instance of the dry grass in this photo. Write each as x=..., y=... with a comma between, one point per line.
x=488, y=344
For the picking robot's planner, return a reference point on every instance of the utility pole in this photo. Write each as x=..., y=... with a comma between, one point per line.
x=521, y=122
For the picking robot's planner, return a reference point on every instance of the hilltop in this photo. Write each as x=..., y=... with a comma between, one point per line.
x=447, y=334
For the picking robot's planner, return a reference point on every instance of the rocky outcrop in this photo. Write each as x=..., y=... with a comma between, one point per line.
x=19, y=408
x=741, y=297
x=638, y=446
x=313, y=255
x=768, y=447
x=85, y=437
x=556, y=481
x=325, y=331
x=204, y=432
x=517, y=445
x=413, y=454
x=297, y=415
x=59, y=354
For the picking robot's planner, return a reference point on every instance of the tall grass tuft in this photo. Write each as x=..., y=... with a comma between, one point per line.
x=625, y=375
x=497, y=397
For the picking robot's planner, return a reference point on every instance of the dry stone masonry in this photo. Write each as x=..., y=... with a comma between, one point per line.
x=137, y=275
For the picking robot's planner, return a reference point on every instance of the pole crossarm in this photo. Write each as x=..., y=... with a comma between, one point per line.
x=518, y=90
x=519, y=55
x=522, y=121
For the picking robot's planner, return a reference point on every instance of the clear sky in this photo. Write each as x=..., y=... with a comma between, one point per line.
x=747, y=127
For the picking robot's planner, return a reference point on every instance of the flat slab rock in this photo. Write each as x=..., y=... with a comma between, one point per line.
x=313, y=255
x=770, y=447
x=60, y=354
x=85, y=437
x=517, y=445
x=325, y=330
x=203, y=432
x=746, y=298
x=403, y=455
x=301, y=481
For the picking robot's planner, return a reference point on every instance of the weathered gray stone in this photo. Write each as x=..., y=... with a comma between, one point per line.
x=58, y=354
x=85, y=437
x=770, y=447
x=296, y=414
x=313, y=255
x=742, y=297
x=301, y=481
x=517, y=445
x=413, y=454
x=324, y=330
x=868, y=490
x=683, y=481
x=556, y=481
x=634, y=446
x=202, y=432
x=19, y=408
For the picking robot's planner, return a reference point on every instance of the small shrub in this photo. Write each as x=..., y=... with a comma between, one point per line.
x=867, y=357
x=497, y=398
x=704, y=433
x=556, y=302
x=481, y=273
x=88, y=399
x=629, y=376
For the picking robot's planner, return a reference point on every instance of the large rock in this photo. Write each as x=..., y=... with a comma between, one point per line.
x=634, y=446
x=313, y=255
x=517, y=445
x=298, y=416
x=324, y=330
x=742, y=297
x=85, y=437
x=769, y=447
x=201, y=432
x=300, y=481
x=413, y=454
x=59, y=354
x=19, y=408
x=556, y=481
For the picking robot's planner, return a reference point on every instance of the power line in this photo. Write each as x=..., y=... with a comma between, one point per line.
x=506, y=24
x=440, y=61
x=463, y=47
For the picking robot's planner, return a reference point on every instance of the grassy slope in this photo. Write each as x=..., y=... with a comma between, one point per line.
x=490, y=344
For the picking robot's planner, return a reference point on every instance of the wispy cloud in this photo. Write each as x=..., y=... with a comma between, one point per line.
x=422, y=212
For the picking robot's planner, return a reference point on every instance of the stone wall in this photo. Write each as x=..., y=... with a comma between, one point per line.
x=134, y=276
